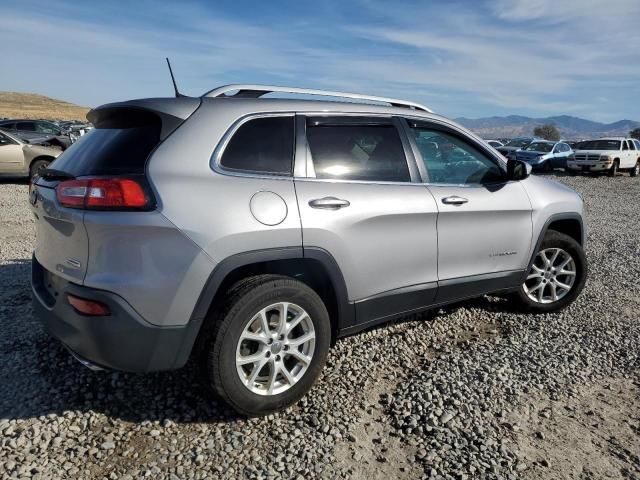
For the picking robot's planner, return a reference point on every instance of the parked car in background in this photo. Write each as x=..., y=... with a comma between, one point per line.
x=545, y=155
x=39, y=131
x=607, y=155
x=514, y=144
x=19, y=158
x=495, y=143
x=388, y=209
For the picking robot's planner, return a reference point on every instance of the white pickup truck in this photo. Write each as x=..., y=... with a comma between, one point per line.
x=607, y=155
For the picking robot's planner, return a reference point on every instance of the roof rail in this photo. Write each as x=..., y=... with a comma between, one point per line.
x=257, y=91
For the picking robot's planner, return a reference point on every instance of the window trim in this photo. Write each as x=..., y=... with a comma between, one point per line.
x=218, y=152
x=460, y=134
x=304, y=160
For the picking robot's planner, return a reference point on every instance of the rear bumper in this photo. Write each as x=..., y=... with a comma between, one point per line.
x=121, y=341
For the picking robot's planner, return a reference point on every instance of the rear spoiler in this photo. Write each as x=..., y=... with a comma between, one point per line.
x=171, y=111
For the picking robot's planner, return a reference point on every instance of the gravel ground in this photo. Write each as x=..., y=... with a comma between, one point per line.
x=475, y=390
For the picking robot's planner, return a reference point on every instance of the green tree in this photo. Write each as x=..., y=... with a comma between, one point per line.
x=635, y=133
x=547, y=131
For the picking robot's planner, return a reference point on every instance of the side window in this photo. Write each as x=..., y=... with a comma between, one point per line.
x=261, y=145
x=4, y=140
x=44, y=128
x=637, y=142
x=8, y=126
x=631, y=145
x=26, y=126
x=351, y=151
x=565, y=147
x=448, y=159
x=625, y=146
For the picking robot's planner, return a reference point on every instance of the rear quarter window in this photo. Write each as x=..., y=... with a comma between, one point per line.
x=261, y=145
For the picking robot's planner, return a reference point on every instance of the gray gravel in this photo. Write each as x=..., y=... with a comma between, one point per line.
x=437, y=396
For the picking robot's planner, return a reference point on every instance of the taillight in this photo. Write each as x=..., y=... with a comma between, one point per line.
x=104, y=193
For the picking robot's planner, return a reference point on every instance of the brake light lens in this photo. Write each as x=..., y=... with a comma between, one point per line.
x=88, y=307
x=103, y=193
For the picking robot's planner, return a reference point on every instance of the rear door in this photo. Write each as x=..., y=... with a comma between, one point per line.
x=484, y=222
x=631, y=155
x=360, y=199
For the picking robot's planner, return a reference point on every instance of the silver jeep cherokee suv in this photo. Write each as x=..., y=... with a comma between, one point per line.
x=248, y=233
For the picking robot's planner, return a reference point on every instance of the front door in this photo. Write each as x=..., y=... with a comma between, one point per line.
x=11, y=156
x=484, y=221
x=361, y=200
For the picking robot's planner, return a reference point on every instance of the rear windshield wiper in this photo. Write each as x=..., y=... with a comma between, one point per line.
x=53, y=174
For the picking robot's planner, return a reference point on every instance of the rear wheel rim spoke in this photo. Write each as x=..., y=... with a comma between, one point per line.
x=275, y=348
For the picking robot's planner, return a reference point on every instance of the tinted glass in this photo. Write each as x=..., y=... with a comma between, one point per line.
x=8, y=126
x=357, y=152
x=263, y=145
x=27, y=126
x=539, y=147
x=518, y=142
x=449, y=159
x=637, y=143
x=4, y=140
x=46, y=128
x=600, y=145
x=112, y=151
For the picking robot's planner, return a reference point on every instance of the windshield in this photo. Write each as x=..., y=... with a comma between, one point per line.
x=539, y=147
x=600, y=145
x=518, y=142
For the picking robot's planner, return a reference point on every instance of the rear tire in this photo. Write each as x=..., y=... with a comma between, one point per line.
x=546, y=280
x=37, y=166
x=635, y=171
x=614, y=169
x=252, y=359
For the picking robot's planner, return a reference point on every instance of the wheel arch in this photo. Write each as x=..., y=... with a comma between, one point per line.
x=314, y=266
x=570, y=224
x=41, y=157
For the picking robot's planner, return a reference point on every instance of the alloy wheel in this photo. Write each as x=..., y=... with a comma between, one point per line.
x=275, y=348
x=551, y=276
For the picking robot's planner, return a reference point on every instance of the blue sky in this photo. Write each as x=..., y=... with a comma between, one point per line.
x=461, y=58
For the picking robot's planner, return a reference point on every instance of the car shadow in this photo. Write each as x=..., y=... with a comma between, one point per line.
x=39, y=376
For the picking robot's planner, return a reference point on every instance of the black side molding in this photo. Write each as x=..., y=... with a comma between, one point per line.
x=346, y=312
x=543, y=232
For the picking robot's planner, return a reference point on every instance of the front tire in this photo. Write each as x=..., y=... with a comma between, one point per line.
x=556, y=276
x=268, y=345
x=635, y=171
x=614, y=169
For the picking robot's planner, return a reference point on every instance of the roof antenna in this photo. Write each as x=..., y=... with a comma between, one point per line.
x=173, y=79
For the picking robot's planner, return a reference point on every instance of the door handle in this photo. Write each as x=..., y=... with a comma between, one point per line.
x=329, y=203
x=454, y=200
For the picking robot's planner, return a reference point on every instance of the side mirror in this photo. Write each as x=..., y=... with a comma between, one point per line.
x=518, y=170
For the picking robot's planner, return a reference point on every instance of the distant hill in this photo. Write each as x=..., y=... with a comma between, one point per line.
x=31, y=105
x=570, y=127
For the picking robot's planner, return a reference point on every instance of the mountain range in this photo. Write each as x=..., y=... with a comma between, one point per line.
x=571, y=128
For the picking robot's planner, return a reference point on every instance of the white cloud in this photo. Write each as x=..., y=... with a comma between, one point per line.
x=537, y=57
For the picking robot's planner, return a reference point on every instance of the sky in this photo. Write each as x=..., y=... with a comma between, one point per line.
x=460, y=58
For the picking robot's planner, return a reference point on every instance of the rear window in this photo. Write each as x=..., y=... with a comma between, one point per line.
x=117, y=147
x=262, y=145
